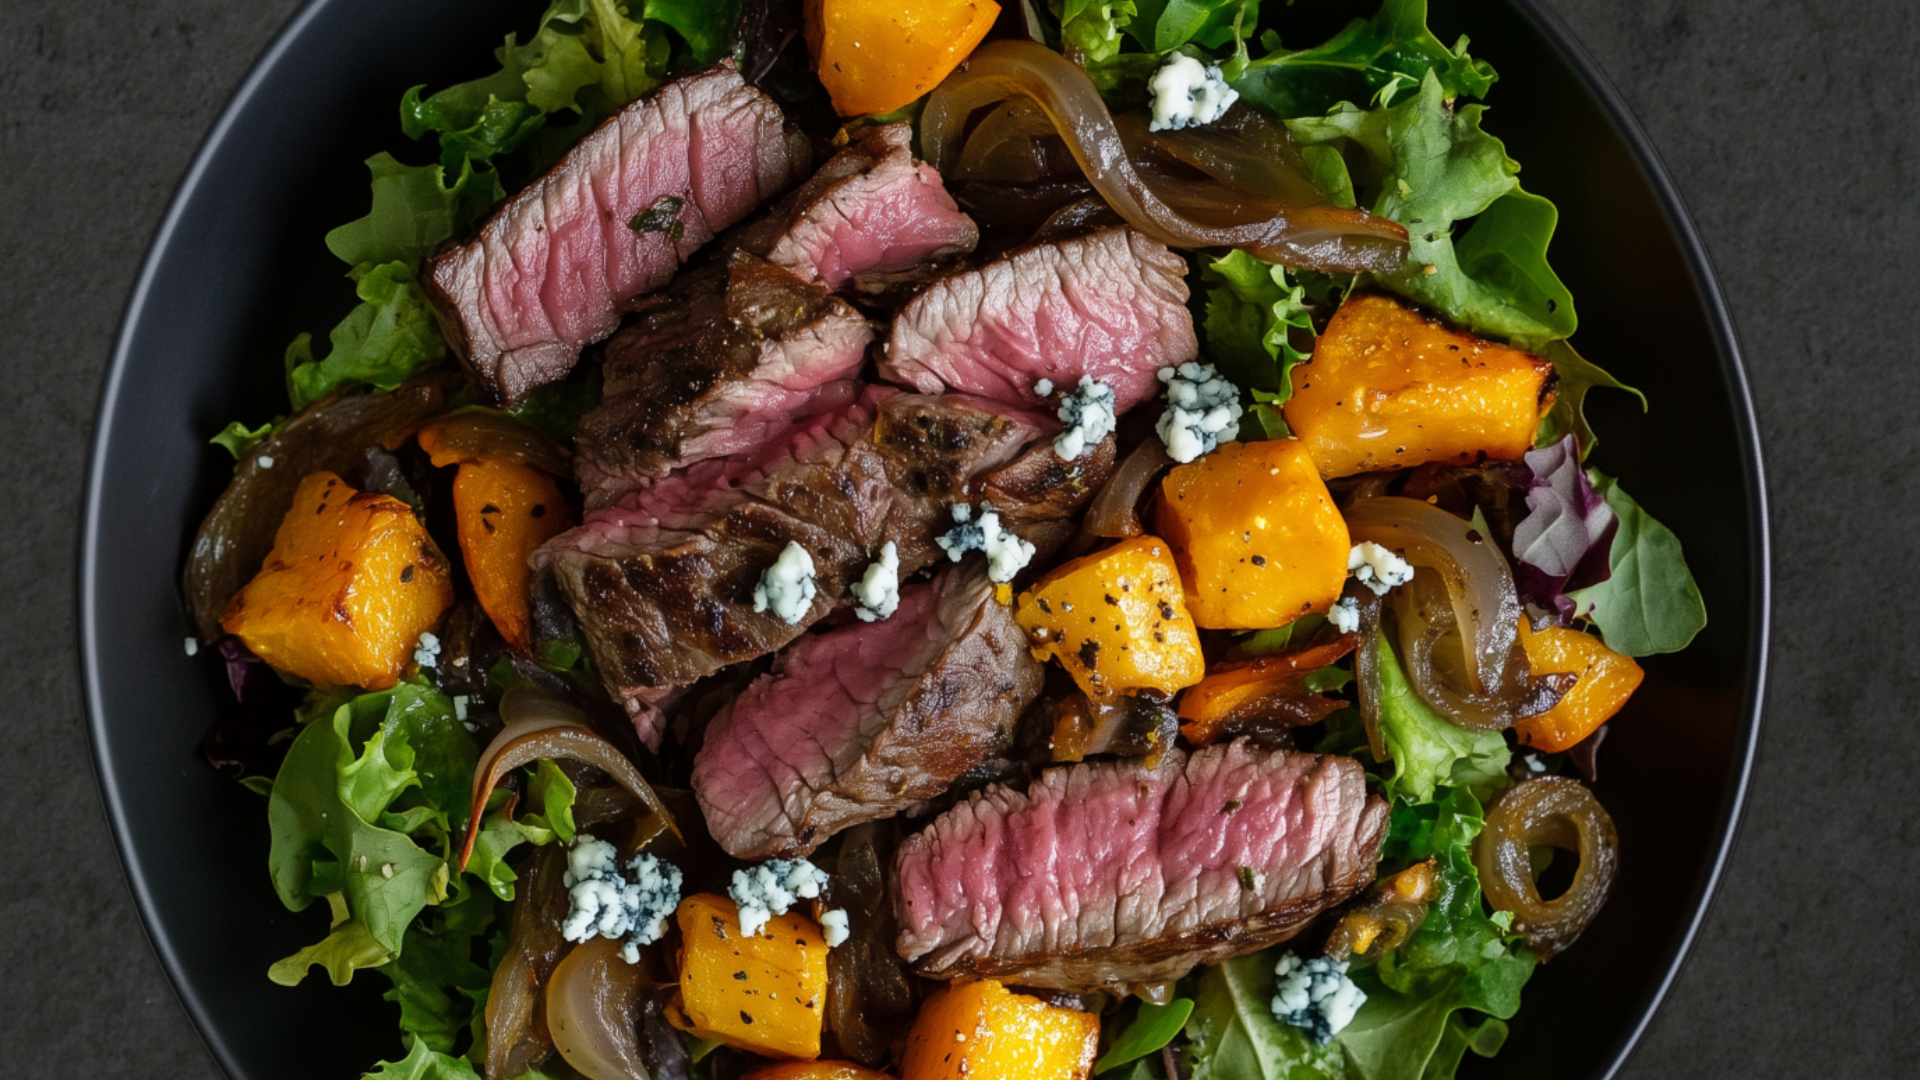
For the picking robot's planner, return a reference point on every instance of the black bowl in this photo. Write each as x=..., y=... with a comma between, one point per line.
x=238, y=268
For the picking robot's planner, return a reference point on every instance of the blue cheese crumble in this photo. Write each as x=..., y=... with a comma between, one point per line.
x=1043, y=388
x=1187, y=93
x=787, y=586
x=1202, y=408
x=604, y=902
x=833, y=927
x=1006, y=553
x=773, y=888
x=1088, y=413
x=877, y=594
x=1315, y=995
x=1377, y=567
x=1345, y=615
x=427, y=652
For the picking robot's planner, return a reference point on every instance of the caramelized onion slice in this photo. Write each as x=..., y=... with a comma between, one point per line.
x=1114, y=513
x=595, y=1006
x=516, y=1014
x=1313, y=234
x=543, y=725
x=1557, y=812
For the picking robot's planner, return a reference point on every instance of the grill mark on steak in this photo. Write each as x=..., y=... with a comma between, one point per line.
x=861, y=722
x=1110, y=874
x=545, y=275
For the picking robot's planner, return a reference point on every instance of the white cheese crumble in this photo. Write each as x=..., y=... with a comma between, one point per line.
x=1007, y=554
x=1043, y=388
x=1088, y=413
x=1378, y=568
x=1534, y=763
x=427, y=653
x=1316, y=995
x=1202, y=406
x=877, y=594
x=193, y=646
x=601, y=901
x=460, y=707
x=834, y=928
x=1186, y=93
x=787, y=586
x=1345, y=615
x=266, y=461
x=773, y=888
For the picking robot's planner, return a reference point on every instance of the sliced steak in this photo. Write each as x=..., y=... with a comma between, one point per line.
x=722, y=363
x=547, y=272
x=662, y=582
x=871, y=209
x=1110, y=304
x=1113, y=874
x=866, y=720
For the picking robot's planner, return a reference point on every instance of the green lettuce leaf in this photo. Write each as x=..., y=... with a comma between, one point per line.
x=390, y=336
x=237, y=439
x=1094, y=27
x=707, y=25
x=1576, y=375
x=1256, y=320
x=1235, y=1037
x=414, y=211
x=423, y=1063
x=1650, y=604
x=437, y=982
x=346, y=948
x=1382, y=58
x=1153, y=1027
x=1427, y=749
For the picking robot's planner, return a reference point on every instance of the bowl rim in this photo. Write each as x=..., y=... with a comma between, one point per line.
x=1569, y=52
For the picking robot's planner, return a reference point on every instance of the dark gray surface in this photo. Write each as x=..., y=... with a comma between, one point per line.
x=1791, y=129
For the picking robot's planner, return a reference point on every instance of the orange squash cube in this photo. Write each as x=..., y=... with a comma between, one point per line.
x=505, y=512
x=815, y=1070
x=352, y=582
x=1258, y=538
x=765, y=993
x=1116, y=620
x=1607, y=680
x=982, y=1031
x=1389, y=388
x=874, y=56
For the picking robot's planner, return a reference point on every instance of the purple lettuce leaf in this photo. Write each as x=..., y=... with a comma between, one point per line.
x=1563, y=542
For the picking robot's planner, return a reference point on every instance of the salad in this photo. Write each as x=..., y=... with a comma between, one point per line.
x=847, y=540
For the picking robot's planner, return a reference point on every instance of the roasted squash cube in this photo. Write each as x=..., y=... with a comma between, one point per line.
x=815, y=1070
x=505, y=512
x=1607, y=680
x=1389, y=388
x=1116, y=620
x=352, y=582
x=1258, y=538
x=765, y=993
x=875, y=56
x=982, y=1031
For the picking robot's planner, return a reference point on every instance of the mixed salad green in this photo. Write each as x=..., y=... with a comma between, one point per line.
x=371, y=800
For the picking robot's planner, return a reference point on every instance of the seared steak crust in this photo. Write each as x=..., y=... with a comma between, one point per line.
x=864, y=721
x=1113, y=874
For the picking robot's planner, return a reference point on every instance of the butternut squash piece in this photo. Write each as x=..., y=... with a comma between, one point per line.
x=815, y=1070
x=1389, y=388
x=982, y=1031
x=1116, y=620
x=1607, y=680
x=764, y=993
x=505, y=512
x=1258, y=538
x=874, y=56
x=352, y=582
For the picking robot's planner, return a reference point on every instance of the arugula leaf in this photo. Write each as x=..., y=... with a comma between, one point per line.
x=388, y=337
x=1427, y=749
x=1235, y=1037
x=237, y=439
x=1372, y=59
x=1205, y=23
x=1255, y=316
x=1650, y=603
x=423, y=1063
x=1153, y=1027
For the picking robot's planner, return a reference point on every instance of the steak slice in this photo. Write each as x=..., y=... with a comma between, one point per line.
x=547, y=272
x=662, y=582
x=1112, y=874
x=1110, y=304
x=723, y=362
x=864, y=721
x=871, y=209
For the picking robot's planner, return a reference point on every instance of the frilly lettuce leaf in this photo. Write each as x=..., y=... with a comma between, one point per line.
x=1094, y=27
x=1649, y=603
x=1378, y=59
x=388, y=337
x=437, y=983
x=1429, y=751
x=1256, y=321
x=237, y=439
x=423, y=1063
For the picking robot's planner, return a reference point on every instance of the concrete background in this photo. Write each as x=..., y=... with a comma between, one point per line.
x=1791, y=128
